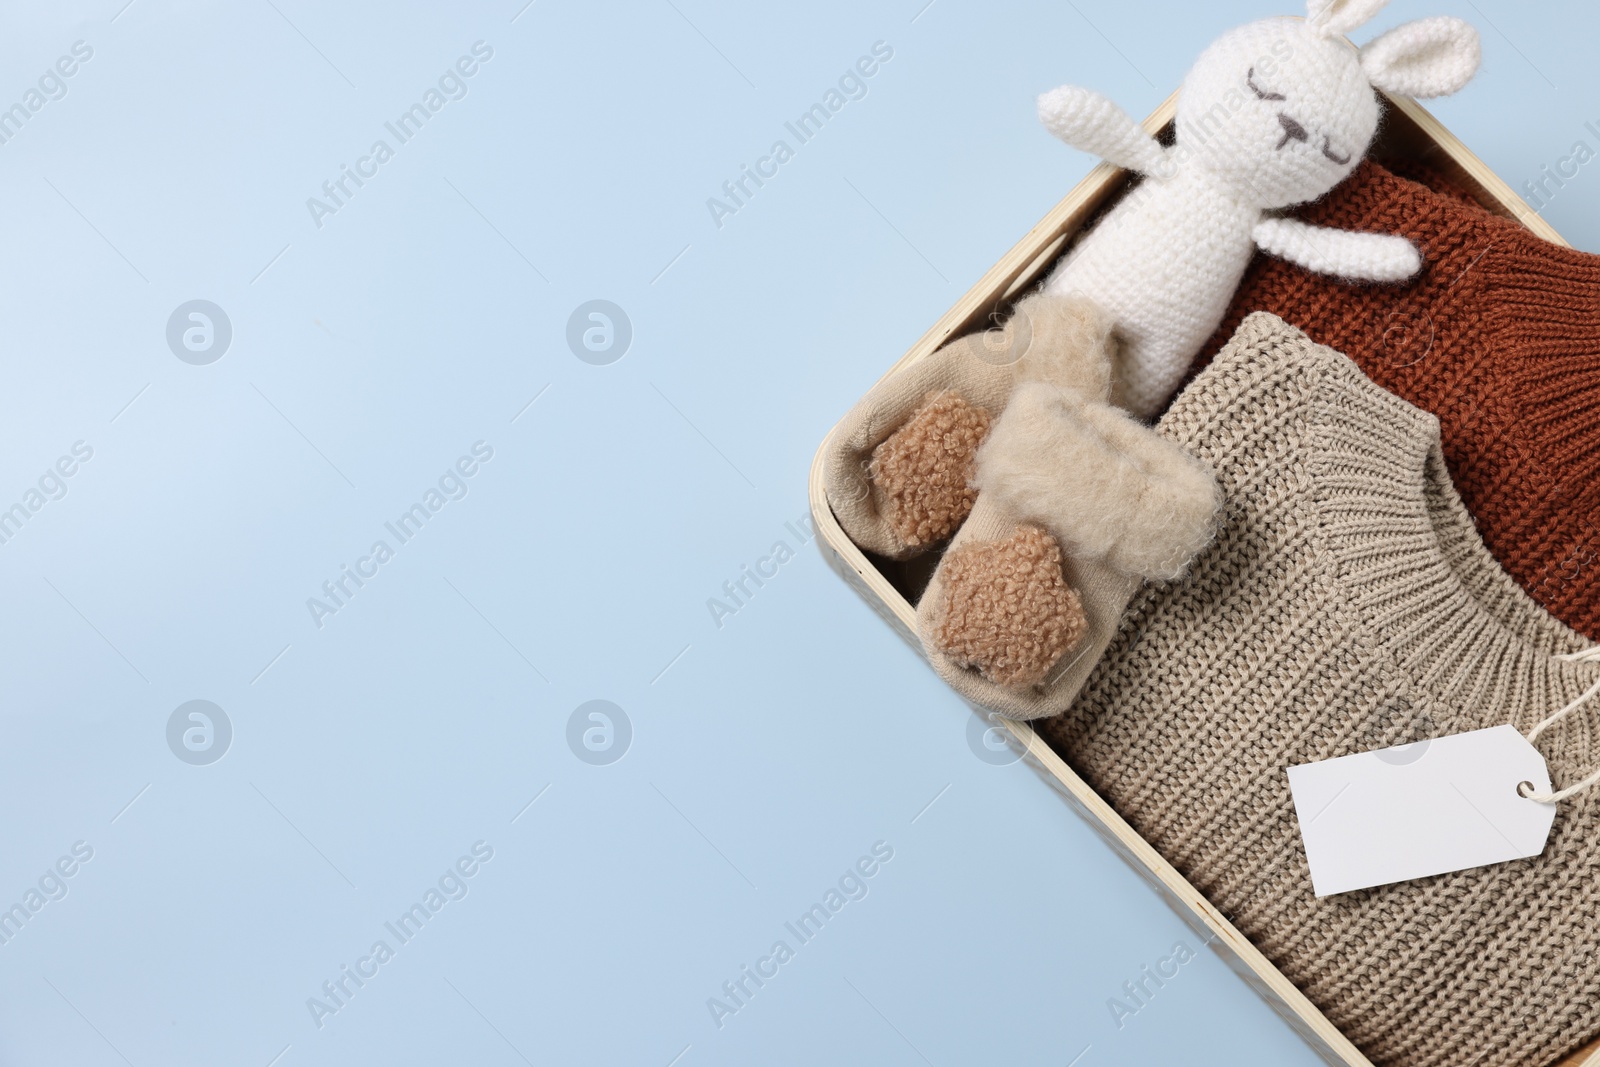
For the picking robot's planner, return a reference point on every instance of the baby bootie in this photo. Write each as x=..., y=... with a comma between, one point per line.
x=899, y=469
x=1077, y=503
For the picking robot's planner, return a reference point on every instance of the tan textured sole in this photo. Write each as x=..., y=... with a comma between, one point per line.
x=1007, y=610
x=924, y=469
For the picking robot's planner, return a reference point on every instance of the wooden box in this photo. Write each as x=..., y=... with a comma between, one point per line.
x=1408, y=132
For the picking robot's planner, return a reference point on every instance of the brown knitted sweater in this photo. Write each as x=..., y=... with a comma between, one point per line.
x=1500, y=337
x=1348, y=604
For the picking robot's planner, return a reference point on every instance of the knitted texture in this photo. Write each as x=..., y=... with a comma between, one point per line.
x=1500, y=338
x=1347, y=604
x=924, y=469
x=1274, y=113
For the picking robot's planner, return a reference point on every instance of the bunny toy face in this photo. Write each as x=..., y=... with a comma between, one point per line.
x=1274, y=113
x=1277, y=112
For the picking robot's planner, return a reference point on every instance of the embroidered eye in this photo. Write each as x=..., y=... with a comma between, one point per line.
x=1327, y=150
x=1250, y=80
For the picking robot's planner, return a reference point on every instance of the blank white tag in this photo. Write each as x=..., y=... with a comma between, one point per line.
x=1430, y=807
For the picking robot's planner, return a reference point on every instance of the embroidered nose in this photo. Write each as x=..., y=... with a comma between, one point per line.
x=1292, y=130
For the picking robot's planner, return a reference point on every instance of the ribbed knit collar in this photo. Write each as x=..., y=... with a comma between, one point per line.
x=1500, y=337
x=1423, y=591
x=1548, y=310
x=1497, y=286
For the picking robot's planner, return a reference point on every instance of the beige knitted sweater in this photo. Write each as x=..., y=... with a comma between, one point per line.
x=1348, y=604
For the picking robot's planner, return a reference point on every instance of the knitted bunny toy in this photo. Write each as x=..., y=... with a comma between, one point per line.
x=1274, y=113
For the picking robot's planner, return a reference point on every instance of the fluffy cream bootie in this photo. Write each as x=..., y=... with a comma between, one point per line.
x=1077, y=504
x=1058, y=503
x=899, y=468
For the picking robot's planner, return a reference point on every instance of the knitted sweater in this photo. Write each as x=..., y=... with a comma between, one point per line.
x=1500, y=337
x=1347, y=604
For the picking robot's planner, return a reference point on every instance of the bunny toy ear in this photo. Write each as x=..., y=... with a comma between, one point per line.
x=1428, y=57
x=1332, y=17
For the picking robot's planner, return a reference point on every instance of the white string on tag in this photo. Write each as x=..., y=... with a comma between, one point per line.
x=1588, y=655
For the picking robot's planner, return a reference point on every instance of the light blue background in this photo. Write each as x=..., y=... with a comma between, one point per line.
x=769, y=753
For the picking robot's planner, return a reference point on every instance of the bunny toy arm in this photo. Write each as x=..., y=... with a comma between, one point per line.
x=1361, y=257
x=1086, y=120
